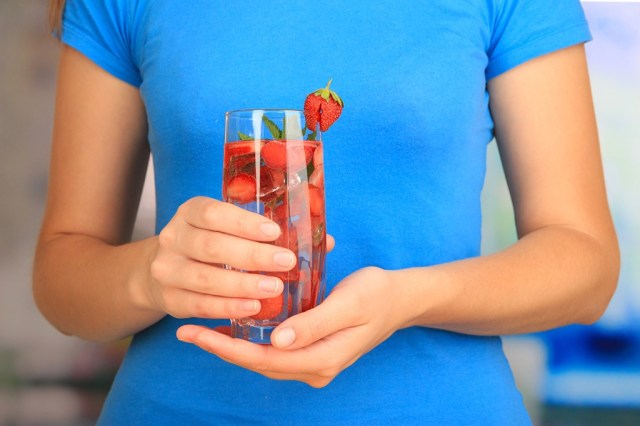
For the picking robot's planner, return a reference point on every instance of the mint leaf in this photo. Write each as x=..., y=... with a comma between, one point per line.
x=312, y=136
x=273, y=127
x=244, y=137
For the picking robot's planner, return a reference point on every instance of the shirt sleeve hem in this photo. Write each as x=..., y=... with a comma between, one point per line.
x=538, y=47
x=97, y=54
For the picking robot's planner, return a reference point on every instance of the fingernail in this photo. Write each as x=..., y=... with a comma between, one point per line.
x=285, y=337
x=270, y=229
x=183, y=336
x=284, y=259
x=268, y=285
x=250, y=305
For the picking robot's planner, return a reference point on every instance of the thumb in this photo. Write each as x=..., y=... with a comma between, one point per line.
x=308, y=327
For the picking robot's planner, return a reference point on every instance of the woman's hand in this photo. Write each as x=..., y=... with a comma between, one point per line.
x=188, y=278
x=315, y=346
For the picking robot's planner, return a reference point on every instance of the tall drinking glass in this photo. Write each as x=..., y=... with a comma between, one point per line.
x=273, y=166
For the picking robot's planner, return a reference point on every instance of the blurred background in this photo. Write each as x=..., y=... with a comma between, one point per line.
x=572, y=376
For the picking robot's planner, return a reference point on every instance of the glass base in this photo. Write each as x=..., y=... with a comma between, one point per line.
x=252, y=331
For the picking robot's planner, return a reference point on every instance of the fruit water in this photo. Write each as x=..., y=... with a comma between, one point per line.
x=282, y=180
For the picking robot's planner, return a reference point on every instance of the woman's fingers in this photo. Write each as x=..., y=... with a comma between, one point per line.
x=331, y=243
x=213, y=215
x=213, y=280
x=213, y=232
x=217, y=247
x=204, y=235
x=316, y=367
x=241, y=352
x=329, y=317
x=187, y=304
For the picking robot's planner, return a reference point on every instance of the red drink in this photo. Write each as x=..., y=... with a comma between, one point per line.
x=283, y=180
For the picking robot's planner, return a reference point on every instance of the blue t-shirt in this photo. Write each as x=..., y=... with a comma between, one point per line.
x=404, y=168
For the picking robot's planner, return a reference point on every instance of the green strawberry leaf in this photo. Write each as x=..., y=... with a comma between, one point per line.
x=244, y=137
x=336, y=98
x=312, y=136
x=275, y=131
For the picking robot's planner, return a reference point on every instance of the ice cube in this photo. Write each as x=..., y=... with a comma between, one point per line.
x=272, y=183
x=293, y=181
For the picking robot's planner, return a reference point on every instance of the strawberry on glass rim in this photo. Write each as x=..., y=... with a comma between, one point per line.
x=323, y=107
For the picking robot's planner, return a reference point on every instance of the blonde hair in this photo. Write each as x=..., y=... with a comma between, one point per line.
x=56, y=7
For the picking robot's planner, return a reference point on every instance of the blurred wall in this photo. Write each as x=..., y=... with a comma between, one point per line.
x=586, y=371
x=45, y=377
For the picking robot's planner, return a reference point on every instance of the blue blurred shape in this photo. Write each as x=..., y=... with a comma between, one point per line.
x=593, y=366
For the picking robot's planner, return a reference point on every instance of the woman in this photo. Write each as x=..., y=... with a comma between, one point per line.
x=408, y=332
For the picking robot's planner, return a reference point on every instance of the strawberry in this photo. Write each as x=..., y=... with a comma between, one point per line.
x=309, y=151
x=241, y=188
x=317, y=157
x=316, y=202
x=272, y=307
x=275, y=153
x=307, y=287
x=311, y=287
x=288, y=239
x=269, y=308
x=323, y=106
x=317, y=178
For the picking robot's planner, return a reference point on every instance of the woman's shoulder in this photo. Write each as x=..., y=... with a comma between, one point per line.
x=107, y=32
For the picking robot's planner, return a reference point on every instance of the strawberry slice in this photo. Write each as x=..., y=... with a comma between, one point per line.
x=323, y=107
x=242, y=147
x=241, y=188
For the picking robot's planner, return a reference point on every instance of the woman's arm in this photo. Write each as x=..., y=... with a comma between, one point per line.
x=88, y=280
x=99, y=158
x=563, y=269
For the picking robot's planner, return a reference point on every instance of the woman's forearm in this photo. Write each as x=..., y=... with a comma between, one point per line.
x=90, y=289
x=552, y=277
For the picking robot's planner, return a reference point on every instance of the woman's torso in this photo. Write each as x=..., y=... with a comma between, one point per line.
x=404, y=168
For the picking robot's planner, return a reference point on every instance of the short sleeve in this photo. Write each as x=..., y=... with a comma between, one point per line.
x=525, y=29
x=99, y=30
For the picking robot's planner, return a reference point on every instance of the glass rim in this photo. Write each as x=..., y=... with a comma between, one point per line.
x=245, y=110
